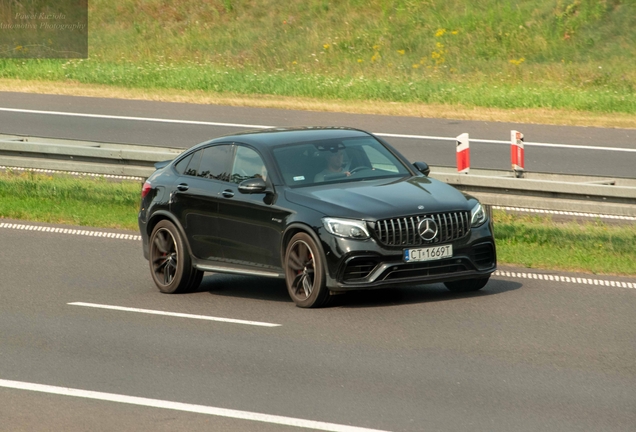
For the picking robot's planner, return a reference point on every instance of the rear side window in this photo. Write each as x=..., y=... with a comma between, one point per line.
x=193, y=164
x=183, y=164
x=211, y=162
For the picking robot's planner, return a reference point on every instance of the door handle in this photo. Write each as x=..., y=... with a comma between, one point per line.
x=182, y=187
x=227, y=193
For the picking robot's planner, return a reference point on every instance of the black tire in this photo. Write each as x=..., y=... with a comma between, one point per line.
x=304, y=272
x=195, y=280
x=170, y=263
x=467, y=285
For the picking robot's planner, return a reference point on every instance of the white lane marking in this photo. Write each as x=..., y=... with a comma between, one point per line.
x=175, y=314
x=239, y=125
x=73, y=173
x=565, y=213
x=568, y=146
x=70, y=231
x=528, y=143
x=565, y=279
x=178, y=406
x=147, y=119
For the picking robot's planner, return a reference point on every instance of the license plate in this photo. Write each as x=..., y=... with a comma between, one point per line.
x=428, y=254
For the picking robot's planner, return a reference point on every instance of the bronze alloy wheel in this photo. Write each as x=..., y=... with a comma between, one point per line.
x=170, y=264
x=304, y=272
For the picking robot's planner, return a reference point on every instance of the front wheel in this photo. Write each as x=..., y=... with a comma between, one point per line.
x=304, y=272
x=467, y=285
x=170, y=264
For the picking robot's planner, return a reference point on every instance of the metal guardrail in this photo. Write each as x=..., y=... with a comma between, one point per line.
x=596, y=195
x=82, y=156
x=557, y=192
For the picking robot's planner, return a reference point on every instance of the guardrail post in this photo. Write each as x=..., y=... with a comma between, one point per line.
x=517, y=153
x=463, y=154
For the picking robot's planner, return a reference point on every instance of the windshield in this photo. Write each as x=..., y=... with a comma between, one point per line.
x=336, y=161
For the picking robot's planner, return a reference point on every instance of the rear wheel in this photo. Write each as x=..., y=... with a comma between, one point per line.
x=304, y=272
x=467, y=284
x=170, y=264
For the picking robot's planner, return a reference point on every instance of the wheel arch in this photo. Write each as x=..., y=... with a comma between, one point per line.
x=291, y=231
x=319, y=295
x=160, y=215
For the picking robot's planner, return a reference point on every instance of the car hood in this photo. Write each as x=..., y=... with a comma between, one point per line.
x=380, y=199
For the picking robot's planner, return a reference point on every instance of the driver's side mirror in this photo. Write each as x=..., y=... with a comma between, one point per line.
x=253, y=185
x=422, y=167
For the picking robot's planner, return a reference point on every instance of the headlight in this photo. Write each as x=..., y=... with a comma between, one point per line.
x=477, y=215
x=346, y=228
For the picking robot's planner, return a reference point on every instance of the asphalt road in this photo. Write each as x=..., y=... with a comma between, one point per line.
x=523, y=354
x=573, y=156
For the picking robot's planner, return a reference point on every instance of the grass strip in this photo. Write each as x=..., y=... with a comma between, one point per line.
x=469, y=92
x=91, y=201
x=574, y=55
x=590, y=246
x=528, y=241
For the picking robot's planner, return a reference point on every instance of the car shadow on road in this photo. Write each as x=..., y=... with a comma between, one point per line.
x=252, y=287
x=424, y=293
x=267, y=289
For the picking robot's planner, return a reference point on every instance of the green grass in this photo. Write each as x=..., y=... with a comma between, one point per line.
x=558, y=54
x=66, y=200
x=521, y=240
x=537, y=242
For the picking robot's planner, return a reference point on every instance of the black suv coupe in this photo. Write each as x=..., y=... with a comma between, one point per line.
x=327, y=209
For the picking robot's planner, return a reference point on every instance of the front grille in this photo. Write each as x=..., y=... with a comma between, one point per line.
x=403, y=231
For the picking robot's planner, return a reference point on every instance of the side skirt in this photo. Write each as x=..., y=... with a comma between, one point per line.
x=234, y=270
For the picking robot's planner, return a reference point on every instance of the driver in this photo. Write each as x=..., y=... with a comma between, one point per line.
x=335, y=165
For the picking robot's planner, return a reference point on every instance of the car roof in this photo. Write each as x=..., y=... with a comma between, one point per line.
x=282, y=136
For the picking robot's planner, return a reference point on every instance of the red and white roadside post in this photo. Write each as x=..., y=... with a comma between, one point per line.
x=463, y=154
x=517, y=153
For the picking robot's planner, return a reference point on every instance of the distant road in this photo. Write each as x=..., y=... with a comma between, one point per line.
x=190, y=124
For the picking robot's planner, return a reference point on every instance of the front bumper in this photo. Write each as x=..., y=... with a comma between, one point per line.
x=354, y=264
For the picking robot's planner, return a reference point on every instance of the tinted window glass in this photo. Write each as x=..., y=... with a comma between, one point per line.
x=379, y=160
x=339, y=160
x=215, y=162
x=182, y=164
x=247, y=164
x=193, y=165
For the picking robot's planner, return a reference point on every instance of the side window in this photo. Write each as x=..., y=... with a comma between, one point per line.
x=183, y=164
x=192, y=163
x=214, y=162
x=247, y=164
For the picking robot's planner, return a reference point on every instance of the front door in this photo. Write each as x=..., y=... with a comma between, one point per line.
x=249, y=224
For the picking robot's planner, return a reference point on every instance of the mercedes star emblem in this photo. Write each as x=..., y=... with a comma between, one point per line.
x=427, y=229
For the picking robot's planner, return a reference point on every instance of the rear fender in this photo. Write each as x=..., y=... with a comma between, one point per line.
x=164, y=215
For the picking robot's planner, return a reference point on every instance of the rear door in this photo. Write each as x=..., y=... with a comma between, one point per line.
x=195, y=199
